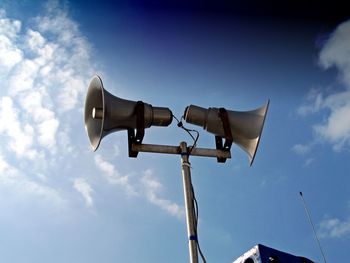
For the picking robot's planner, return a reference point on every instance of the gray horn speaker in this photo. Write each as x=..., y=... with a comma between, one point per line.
x=245, y=126
x=105, y=113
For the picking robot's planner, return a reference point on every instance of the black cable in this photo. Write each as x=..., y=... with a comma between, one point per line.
x=180, y=125
x=196, y=223
x=195, y=140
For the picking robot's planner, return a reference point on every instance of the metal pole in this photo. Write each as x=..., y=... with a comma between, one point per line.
x=183, y=150
x=190, y=215
x=313, y=228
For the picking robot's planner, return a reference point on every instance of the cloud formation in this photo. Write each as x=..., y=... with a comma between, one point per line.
x=44, y=70
x=85, y=190
x=113, y=176
x=20, y=137
x=334, y=228
x=148, y=186
x=16, y=181
x=335, y=102
x=301, y=149
x=10, y=54
x=152, y=188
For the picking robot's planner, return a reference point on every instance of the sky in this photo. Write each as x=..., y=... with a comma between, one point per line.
x=62, y=202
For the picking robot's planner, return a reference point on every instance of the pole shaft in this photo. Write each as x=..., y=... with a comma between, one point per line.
x=188, y=194
x=313, y=228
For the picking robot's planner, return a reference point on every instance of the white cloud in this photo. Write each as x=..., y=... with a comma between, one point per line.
x=314, y=102
x=148, y=186
x=8, y=27
x=5, y=168
x=10, y=54
x=334, y=228
x=72, y=62
x=65, y=140
x=85, y=190
x=335, y=128
x=45, y=75
x=47, y=133
x=45, y=69
x=336, y=51
x=113, y=176
x=35, y=40
x=152, y=188
x=45, y=66
x=16, y=182
x=23, y=76
x=20, y=136
x=301, y=149
x=48, y=70
x=44, y=119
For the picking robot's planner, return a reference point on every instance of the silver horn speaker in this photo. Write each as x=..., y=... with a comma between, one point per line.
x=243, y=128
x=105, y=113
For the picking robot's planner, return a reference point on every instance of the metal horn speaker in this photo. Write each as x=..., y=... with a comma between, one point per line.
x=243, y=128
x=106, y=113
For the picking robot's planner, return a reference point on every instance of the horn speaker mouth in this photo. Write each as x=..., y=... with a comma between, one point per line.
x=264, y=110
x=94, y=111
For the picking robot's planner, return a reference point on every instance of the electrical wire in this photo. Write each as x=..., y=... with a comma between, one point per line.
x=195, y=139
x=194, y=200
x=196, y=215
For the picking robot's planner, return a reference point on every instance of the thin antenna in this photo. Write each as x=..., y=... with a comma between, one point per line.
x=313, y=227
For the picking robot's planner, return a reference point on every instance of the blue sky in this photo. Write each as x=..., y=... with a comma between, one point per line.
x=61, y=202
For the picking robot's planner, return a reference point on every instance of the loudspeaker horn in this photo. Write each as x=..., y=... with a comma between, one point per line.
x=243, y=128
x=105, y=113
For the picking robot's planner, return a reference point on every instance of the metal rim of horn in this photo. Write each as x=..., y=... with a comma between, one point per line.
x=94, y=99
